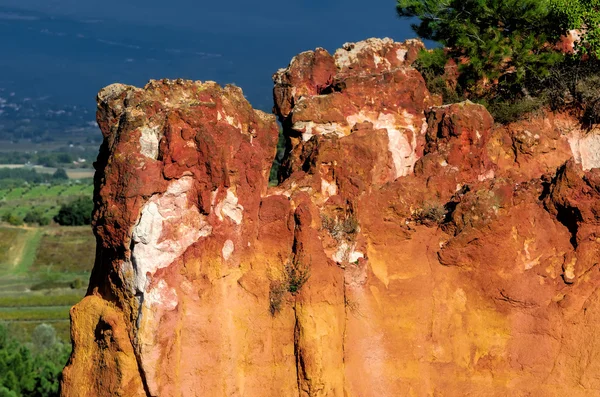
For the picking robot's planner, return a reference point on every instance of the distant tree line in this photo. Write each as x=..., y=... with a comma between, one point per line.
x=16, y=177
x=77, y=212
x=58, y=158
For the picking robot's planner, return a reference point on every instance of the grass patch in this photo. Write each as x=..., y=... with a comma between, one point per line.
x=40, y=300
x=11, y=239
x=508, y=111
x=43, y=273
x=52, y=284
x=29, y=250
x=65, y=250
x=45, y=198
x=34, y=313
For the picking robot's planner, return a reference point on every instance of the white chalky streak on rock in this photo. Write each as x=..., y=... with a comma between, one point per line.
x=570, y=269
x=230, y=208
x=403, y=152
x=346, y=56
x=127, y=275
x=157, y=300
x=229, y=120
x=186, y=225
x=586, y=149
x=161, y=295
x=488, y=175
x=345, y=252
x=377, y=59
x=328, y=188
x=401, y=54
x=152, y=251
x=354, y=256
x=309, y=128
x=341, y=253
x=149, y=139
x=227, y=250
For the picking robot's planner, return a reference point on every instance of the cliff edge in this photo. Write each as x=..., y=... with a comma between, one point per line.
x=410, y=249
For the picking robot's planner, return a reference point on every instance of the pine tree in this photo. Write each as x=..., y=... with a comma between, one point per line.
x=490, y=39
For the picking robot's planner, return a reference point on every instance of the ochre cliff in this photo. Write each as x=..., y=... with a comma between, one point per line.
x=410, y=249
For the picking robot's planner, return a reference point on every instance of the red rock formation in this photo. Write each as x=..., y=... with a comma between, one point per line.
x=411, y=249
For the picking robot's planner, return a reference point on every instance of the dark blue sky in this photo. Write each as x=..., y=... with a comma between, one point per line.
x=69, y=49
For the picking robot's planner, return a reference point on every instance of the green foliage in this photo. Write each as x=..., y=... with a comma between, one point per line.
x=60, y=174
x=505, y=54
x=50, y=255
x=31, y=370
x=583, y=15
x=75, y=213
x=433, y=62
x=36, y=216
x=432, y=66
x=274, y=175
x=277, y=291
x=12, y=219
x=25, y=300
x=508, y=111
x=572, y=84
x=16, y=177
x=44, y=198
x=296, y=273
x=496, y=37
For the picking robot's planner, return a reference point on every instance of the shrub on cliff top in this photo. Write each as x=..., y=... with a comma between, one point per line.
x=489, y=38
x=504, y=53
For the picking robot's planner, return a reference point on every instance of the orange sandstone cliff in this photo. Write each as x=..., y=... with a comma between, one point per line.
x=410, y=249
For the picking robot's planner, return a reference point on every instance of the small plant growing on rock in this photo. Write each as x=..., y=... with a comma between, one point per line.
x=297, y=272
x=341, y=229
x=430, y=214
x=277, y=291
x=352, y=306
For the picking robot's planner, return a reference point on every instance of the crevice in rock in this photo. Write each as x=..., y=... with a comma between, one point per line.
x=346, y=310
x=570, y=218
x=333, y=87
x=297, y=354
x=139, y=297
x=103, y=334
x=138, y=360
x=504, y=297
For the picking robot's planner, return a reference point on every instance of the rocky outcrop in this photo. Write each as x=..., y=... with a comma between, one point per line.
x=410, y=248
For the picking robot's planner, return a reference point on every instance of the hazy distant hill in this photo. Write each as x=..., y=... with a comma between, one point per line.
x=51, y=68
x=54, y=62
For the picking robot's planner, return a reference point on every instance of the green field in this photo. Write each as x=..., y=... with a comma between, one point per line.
x=47, y=198
x=43, y=272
